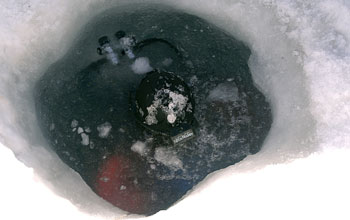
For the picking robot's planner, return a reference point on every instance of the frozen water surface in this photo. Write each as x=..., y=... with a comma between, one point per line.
x=300, y=60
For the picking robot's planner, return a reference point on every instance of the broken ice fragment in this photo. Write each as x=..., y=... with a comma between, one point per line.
x=168, y=158
x=74, y=123
x=139, y=147
x=84, y=139
x=104, y=130
x=87, y=129
x=80, y=130
x=224, y=92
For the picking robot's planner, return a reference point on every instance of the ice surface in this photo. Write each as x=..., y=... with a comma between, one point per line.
x=300, y=60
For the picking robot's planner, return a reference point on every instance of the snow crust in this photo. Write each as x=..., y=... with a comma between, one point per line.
x=300, y=60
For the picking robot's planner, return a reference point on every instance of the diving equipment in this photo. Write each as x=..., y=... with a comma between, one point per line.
x=126, y=43
x=106, y=48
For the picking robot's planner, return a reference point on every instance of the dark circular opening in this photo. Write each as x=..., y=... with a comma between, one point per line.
x=85, y=105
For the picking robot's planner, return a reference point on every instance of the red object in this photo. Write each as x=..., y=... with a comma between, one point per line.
x=117, y=183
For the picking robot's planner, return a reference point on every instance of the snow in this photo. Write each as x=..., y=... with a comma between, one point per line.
x=104, y=130
x=300, y=60
x=141, y=65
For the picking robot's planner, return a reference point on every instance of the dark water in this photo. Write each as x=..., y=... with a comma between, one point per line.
x=83, y=91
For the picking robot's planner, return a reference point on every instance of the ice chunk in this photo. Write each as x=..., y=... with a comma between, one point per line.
x=141, y=66
x=168, y=158
x=74, y=123
x=84, y=139
x=167, y=61
x=140, y=148
x=225, y=92
x=104, y=130
x=80, y=130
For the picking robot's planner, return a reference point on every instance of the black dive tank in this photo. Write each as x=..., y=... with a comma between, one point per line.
x=165, y=105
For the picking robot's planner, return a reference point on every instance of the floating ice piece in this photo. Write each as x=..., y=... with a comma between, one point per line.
x=85, y=140
x=141, y=66
x=168, y=158
x=140, y=148
x=104, y=130
x=87, y=129
x=74, y=123
x=224, y=92
x=80, y=130
x=167, y=61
